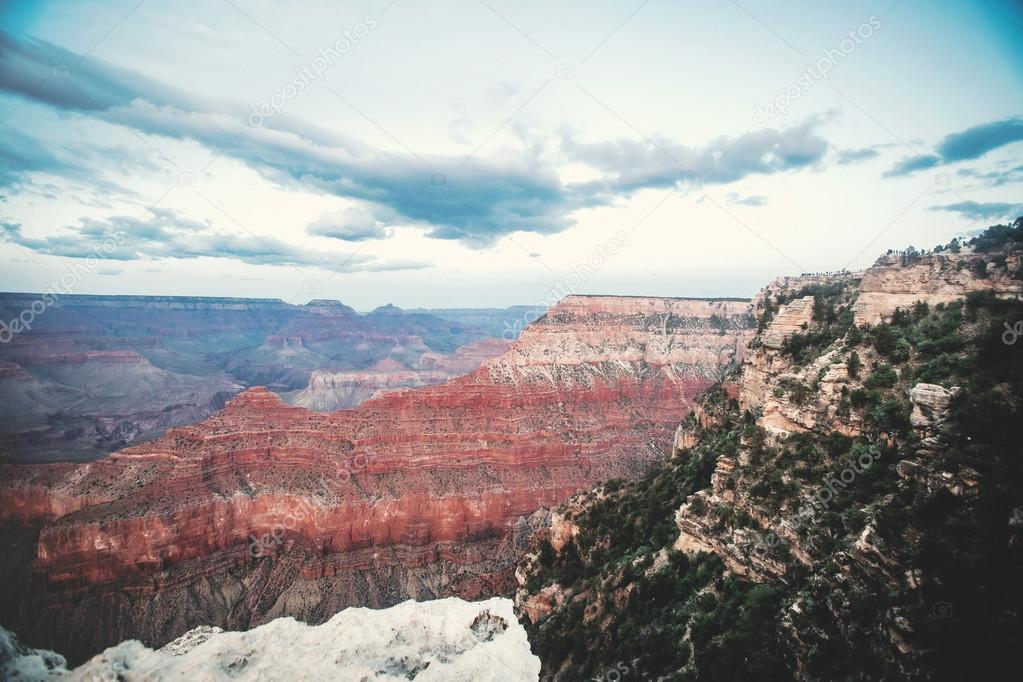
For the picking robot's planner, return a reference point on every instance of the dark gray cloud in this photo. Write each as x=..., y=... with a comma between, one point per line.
x=996, y=177
x=992, y=210
x=475, y=206
x=163, y=233
x=977, y=141
x=964, y=145
x=913, y=164
x=21, y=154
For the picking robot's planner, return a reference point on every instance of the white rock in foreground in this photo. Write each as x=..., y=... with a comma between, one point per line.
x=447, y=639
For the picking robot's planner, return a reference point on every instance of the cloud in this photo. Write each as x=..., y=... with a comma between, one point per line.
x=913, y=164
x=349, y=224
x=162, y=233
x=477, y=207
x=974, y=142
x=996, y=177
x=21, y=154
x=964, y=145
x=632, y=165
x=751, y=200
x=973, y=210
x=109, y=272
x=848, y=156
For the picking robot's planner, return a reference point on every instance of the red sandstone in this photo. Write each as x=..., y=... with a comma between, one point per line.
x=592, y=391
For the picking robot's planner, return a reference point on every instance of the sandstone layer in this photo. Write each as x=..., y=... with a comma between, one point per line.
x=898, y=280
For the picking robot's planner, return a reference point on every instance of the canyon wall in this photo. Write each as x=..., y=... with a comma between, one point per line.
x=794, y=396
x=898, y=281
x=330, y=391
x=92, y=374
x=265, y=509
x=845, y=505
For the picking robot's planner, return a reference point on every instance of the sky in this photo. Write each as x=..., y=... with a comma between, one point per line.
x=482, y=153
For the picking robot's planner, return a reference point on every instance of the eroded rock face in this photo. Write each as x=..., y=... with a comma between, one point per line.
x=896, y=281
x=930, y=405
x=774, y=385
x=330, y=391
x=790, y=398
x=418, y=493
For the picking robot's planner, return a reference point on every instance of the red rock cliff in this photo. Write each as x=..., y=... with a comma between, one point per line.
x=415, y=493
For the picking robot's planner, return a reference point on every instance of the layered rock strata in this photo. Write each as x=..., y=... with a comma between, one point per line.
x=792, y=398
x=899, y=281
x=330, y=391
x=266, y=510
x=99, y=373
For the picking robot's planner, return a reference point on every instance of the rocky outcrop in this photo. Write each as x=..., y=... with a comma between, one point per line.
x=793, y=317
x=930, y=406
x=813, y=397
x=435, y=641
x=416, y=493
x=773, y=384
x=900, y=280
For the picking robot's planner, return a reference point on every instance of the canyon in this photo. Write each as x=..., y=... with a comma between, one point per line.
x=266, y=510
x=93, y=374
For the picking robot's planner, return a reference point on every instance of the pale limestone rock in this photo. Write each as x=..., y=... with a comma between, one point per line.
x=789, y=320
x=562, y=531
x=933, y=278
x=930, y=405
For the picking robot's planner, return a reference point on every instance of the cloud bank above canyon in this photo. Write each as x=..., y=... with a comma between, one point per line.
x=457, y=155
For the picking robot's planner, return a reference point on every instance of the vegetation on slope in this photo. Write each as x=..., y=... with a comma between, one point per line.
x=908, y=572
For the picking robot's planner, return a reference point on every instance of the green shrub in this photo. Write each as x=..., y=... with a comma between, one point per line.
x=853, y=364
x=883, y=376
